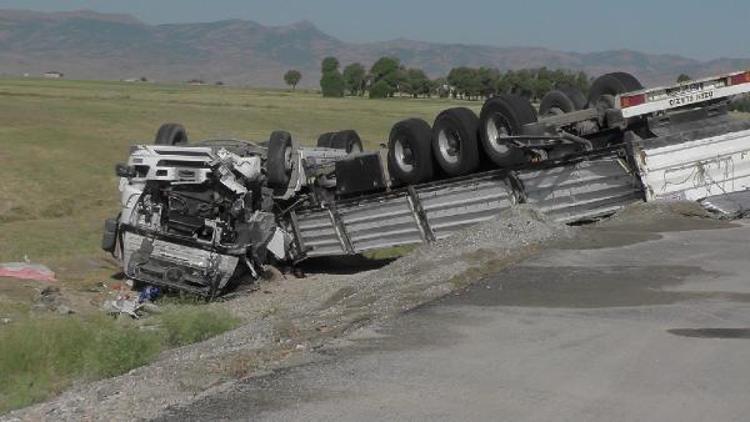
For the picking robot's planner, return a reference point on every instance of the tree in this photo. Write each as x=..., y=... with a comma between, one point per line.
x=380, y=89
x=292, y=78
x=416, y=83
x=354, y=78
x=329, y=64
x=487, y=80
x=388, y=70
x=331, y=81
x=683, y=78
x=465, y=81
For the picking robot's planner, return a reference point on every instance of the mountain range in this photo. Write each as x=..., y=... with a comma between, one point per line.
x=90, y=45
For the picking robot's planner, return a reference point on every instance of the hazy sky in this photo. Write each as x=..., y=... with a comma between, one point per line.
x=700, y=29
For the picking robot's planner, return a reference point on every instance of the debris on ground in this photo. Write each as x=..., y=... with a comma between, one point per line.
x=123, y=305
x=729, y=206
x=26, y=271
x=134, y=303
x=149, y=294
x=50, y=299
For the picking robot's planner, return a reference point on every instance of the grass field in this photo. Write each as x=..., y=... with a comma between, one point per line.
x=59, y=143
x=60, y=140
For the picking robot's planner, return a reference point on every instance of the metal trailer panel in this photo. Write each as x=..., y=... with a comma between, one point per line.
x=453, y=207
x=584, y=190
x=317, y=233
x=581, y=191
x=383, y=223
x=690, y=166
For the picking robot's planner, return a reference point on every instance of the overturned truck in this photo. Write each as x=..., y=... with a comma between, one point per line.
x=203, y=216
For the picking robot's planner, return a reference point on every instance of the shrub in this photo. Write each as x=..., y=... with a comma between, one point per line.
x=380, y=89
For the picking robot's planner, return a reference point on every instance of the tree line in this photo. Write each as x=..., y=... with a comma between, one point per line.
x=388, y=77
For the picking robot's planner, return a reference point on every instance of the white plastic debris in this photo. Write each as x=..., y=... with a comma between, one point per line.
x=123, y=305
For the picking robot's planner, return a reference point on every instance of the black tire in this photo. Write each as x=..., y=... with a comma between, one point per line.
x=607, y=86
x=324, y=140
x=348, y=140
x=109, y=238
x=508, y=114
x=410, y=152
x=279, y=159
x=556, y=102
x=171, y=134
x=455, y=143
x=576, y=95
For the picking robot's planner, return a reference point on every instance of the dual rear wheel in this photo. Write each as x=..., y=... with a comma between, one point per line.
x=459, y=141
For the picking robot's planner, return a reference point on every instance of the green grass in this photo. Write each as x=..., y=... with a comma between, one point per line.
x=191, y=324
x=42, y=356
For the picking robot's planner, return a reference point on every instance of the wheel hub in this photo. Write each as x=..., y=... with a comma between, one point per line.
x=404, y=155
x=497, y=128
x=449, y=144
x=288, y=159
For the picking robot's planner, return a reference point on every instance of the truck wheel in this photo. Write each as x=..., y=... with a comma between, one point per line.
x=171, y=134
x=279, y=163
x=503, y=116
x=606, y=87
x=324, y=140
x=347, y=140
x=576, y=95
x=454, y=141
x=555, y=103
x=410, y=151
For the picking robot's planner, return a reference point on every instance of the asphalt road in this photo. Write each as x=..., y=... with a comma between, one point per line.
x=652, y=327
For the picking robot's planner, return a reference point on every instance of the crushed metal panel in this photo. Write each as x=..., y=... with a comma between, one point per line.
x=171, y=264
x=382, y=223
x=581, y=191
x=687, y=166
x=318, y=233
x=452, y=207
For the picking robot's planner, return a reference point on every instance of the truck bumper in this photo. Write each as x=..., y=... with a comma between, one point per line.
x=168, y=264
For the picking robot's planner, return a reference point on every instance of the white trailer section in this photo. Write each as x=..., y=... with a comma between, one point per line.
x=696, y=164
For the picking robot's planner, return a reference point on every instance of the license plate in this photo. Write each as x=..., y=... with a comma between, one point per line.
x=687, y=93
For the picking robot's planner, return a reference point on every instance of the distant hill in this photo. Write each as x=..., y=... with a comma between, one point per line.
x=89, y=45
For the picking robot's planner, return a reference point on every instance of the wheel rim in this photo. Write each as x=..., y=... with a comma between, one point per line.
x=449, y=144
x=355, y=148
x=404, y=155
x=288, y=159
x=554, y=111
x=497, y=128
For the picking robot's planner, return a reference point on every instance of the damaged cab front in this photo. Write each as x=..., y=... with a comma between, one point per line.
x=194, y=218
